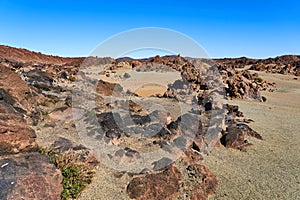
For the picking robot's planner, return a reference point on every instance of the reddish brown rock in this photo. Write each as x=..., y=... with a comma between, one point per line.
x=198, y=182
x=207, y=186
x=15, y=91
x=108, y=89
x=163, y=185
x=15, y=135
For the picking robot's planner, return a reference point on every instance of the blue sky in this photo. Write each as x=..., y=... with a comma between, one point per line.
x=230, y=28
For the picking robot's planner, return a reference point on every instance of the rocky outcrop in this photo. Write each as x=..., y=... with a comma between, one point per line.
x=25, y=174
x=288, y=64
x=243, y=84
x=108, y=89
x=14, y=91
x=236, y=133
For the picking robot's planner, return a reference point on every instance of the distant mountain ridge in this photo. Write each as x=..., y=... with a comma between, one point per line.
x=25, y=55
x=286, y=64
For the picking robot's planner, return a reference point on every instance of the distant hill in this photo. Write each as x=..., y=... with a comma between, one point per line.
x=286, y=64
x=24, y=55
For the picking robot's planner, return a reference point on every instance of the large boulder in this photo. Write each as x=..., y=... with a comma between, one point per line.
x=29, y=176
x=164, y=185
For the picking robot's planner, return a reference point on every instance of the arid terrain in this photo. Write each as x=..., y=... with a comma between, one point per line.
x=155, y=128
x=270, y=168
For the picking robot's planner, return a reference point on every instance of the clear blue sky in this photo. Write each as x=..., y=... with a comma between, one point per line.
x=224, y=28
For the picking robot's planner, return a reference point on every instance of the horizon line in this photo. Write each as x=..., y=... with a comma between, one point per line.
x=86, y=56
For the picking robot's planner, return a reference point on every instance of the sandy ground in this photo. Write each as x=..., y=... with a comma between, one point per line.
x=270, y=169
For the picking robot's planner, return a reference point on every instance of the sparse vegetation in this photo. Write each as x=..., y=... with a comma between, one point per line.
x=76, y=176
x=258, y=79
x=72, y=79
x=91, y=113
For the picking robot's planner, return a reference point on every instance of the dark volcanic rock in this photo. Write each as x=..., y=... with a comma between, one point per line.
x=41, y=80
x=235, y=136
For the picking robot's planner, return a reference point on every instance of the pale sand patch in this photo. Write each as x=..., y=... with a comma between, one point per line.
x=270, y=169
x=106, y=186
x=151, y=89
x=146, y=84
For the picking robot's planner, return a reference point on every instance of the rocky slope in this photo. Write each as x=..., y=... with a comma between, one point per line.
x=37, y=104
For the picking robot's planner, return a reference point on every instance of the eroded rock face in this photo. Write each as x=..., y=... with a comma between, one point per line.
x=29, y=176
x=25, y=174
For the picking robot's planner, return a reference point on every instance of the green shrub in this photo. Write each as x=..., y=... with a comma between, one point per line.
x=258, y=79
x=76, y=176
x=72, y=79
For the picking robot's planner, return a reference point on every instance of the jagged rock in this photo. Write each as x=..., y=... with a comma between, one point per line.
x=283, y=64
x=134, y=107
x=39, y=79
x=235, y=136
x=108, y=89
x=187, y=124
